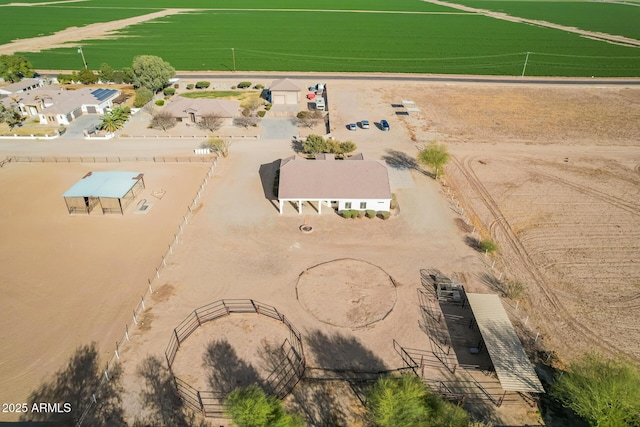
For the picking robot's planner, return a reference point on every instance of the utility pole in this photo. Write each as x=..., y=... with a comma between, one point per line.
x=233, y=55
x=83, y=60
x=525, y=64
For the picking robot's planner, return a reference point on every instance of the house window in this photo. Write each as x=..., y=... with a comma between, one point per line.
x=347, y=205
x=363, y=205
x=52, y=119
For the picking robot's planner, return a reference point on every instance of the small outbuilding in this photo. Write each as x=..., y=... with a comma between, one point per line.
x=352, y=184
x=112, y=190
x=286, y=91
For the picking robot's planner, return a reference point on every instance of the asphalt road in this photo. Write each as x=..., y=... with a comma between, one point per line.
x=421, y=78
x=615, y=81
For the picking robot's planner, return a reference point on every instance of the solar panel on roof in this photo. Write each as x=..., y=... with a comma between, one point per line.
x=102, y=94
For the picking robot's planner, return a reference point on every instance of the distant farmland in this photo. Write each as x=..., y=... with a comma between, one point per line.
x=612, y=18
x=334, y=35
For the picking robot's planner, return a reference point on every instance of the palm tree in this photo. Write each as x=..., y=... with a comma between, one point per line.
x=110, y=123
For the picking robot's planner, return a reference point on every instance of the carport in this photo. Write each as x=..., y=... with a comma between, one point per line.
x=511, y=364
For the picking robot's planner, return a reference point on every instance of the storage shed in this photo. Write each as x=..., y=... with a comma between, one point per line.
x=286, y=91
x=112, y=190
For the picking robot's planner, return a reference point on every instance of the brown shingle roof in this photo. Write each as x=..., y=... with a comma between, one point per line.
x=333, y=180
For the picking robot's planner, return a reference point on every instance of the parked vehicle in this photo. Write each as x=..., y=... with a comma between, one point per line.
x=384, y=125
x=364, y=124
x=352, y=126
x=320, y=103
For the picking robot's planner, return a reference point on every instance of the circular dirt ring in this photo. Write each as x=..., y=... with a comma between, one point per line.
x=347, y=292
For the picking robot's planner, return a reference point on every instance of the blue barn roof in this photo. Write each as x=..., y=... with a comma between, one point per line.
x=111, y=184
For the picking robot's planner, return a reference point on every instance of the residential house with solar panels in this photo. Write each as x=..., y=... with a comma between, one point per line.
x=55, y=105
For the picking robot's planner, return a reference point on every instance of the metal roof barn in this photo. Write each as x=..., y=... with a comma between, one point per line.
x=509, y=359
x=112, y=190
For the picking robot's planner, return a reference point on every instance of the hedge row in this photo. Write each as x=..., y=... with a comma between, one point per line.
x=352, y=213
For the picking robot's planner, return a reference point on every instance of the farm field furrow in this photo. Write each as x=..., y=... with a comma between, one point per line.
x=585, y=249
x=26, y=22
x=606, y=17
x=397, y=5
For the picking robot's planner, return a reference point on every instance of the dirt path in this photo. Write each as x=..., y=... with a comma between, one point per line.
x=70, y=37
x=625, y=41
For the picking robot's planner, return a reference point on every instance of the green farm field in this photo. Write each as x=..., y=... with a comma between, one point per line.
x=35, y=21
x=621, y=19
x=343, y=36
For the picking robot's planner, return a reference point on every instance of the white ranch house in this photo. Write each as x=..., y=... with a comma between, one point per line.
x=351, y=184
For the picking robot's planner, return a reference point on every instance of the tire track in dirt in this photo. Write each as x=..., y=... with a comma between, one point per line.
x=514, y=243
x=600, y=195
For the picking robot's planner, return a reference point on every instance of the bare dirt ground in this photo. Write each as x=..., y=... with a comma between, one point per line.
x=69, y=280
x=72, y=36
x=561, y=202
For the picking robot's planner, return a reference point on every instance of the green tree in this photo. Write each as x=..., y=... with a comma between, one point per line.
x=10, y=116
x=218, y=145
x=315, y=144
x=143, y=96
x=14, y=68
x=87, y=77
x=105, y=73
x=434, y=155
x=606, y=393
x=251, y=407
x=346, y=147
x=151, y=72
x=407, y=402
x=109, y=123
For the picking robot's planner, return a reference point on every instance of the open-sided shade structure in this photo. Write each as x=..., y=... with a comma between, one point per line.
x=112, y=190
x=510, y=361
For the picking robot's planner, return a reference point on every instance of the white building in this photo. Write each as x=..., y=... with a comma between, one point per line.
x=55, y=105
x=286, y=91
x=352, y=184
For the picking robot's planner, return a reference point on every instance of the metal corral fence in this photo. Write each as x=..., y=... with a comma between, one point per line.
x=148, y=289
x=279, y=383
x=463, y=387
x=107, y=159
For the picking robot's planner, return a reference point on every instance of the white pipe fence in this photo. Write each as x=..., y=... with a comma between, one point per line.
x=140, y=307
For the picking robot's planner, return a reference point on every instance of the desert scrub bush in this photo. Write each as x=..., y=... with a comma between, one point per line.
x=258, y=86
x=261, y=113
x=160, y=102
x=385, y=215
x=360, y=214
x=169, y=91
x=513, y=289
x=267, y=106
x=394, y=201
x=371, y=213
x=487, y=245
x=346, y=214
x=244, y=85
x=190, y=86
x=202, y=85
